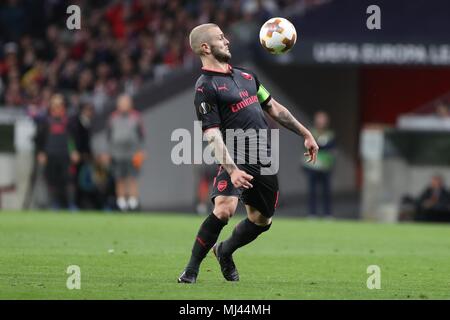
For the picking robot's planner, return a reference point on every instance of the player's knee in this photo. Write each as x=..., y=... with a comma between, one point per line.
x=224, y=212
x=224, y=208
x=258, y=219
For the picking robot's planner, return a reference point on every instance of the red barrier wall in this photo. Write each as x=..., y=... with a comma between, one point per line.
x=386, y=92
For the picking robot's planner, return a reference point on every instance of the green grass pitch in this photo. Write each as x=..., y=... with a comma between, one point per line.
x=296, y=259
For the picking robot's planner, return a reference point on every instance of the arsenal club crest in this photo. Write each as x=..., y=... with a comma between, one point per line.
x=222, y=185
x=246, y=75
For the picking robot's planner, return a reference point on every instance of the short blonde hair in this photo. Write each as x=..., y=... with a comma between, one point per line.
x=200, y=35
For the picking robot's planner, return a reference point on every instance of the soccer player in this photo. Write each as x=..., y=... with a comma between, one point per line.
x=232, y=98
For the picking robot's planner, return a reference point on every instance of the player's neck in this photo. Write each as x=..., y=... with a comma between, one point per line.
x=216, y=66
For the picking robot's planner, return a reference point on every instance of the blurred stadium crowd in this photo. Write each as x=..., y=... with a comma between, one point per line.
x=121, y=45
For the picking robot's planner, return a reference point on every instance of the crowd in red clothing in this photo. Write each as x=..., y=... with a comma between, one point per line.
x=118, y=48
x=121, y=45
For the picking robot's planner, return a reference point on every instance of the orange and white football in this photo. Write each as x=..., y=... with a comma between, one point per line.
x=278, y=35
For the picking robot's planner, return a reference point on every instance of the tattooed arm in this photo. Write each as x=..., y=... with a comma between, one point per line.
x=239, y=178
x=283, y=116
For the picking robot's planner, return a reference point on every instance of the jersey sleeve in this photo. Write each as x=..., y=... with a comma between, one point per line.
x=262, y=93
x=207, y=107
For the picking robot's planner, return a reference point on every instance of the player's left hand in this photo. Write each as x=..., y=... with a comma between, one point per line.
x=312, y=147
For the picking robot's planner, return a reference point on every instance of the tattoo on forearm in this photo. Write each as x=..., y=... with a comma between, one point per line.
x=286, y=119
x=220, y=151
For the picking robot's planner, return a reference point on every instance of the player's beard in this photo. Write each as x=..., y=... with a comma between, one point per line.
x=220, y=56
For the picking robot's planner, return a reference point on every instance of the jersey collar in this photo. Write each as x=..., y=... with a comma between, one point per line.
x=217, y=72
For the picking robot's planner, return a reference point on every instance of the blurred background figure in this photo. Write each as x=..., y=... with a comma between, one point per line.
x=80, y=127
x=57, y=151
x=103, y=179
x=206, y=176
x=443, y=110
x=319, y=175
x=434, y=202
x=96, y=185
x=125, y=135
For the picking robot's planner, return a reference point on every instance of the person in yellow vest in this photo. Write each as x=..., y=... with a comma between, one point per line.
x=319, y=174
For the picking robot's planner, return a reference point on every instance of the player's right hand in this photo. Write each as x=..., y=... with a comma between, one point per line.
x=240, y=178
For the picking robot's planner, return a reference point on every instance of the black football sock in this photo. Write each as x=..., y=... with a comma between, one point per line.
x=206, y=238
x=244, y=233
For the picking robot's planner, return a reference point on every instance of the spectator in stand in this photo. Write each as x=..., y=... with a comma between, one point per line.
x=443, y=110
x=56, y=151
x=121, y=44
x=319, y=175
x=125, y=136
x=434, y=202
